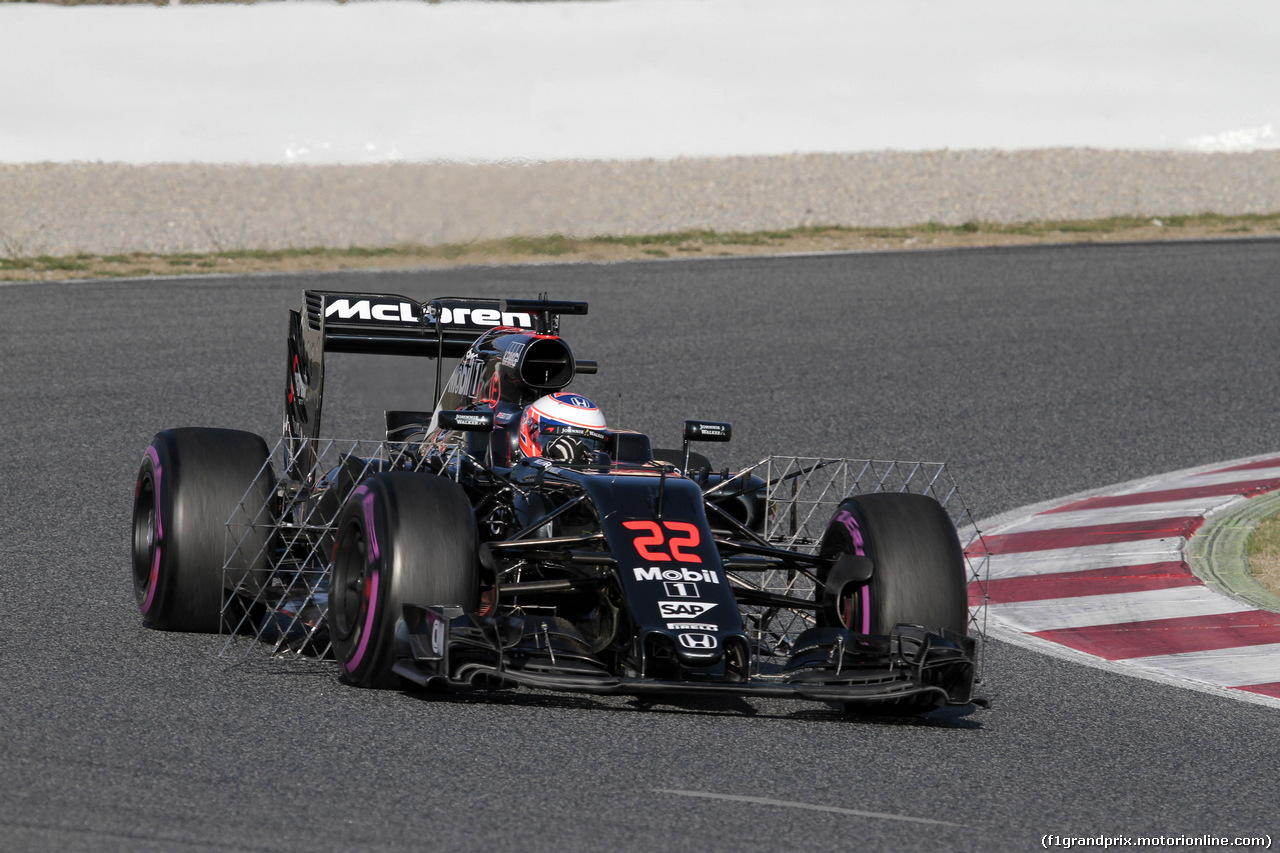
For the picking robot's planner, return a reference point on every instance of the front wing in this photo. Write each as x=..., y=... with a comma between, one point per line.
x=449, y=647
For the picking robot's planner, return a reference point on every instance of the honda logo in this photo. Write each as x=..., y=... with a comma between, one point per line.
x=701, y=642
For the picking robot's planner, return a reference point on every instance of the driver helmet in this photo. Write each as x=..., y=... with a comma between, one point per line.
x=563, y=427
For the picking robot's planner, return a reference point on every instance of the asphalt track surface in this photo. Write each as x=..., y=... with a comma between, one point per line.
x=1035, y=372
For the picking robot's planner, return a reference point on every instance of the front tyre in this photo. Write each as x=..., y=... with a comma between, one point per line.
x=190, y=482
x=402, y=538
x=918, y=576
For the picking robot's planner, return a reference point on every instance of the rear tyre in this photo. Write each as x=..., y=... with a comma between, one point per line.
x=190, y=483
x=919, y=574
x=403, y=538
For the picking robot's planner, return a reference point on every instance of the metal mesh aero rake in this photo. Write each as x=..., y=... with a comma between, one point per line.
x=278, y=556
x=801, y=497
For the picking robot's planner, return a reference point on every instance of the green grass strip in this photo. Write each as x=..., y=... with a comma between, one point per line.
x=651, y=245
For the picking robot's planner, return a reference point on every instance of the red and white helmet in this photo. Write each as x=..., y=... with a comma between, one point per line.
x=562, y=427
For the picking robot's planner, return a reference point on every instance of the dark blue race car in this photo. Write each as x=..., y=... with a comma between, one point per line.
x=512, y=537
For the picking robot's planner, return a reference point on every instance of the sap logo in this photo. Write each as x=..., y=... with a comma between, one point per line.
x=683, y=609
x=364, y=309
x=657, y=573
x=700, y=642
x=692, y=626
x=680, y=589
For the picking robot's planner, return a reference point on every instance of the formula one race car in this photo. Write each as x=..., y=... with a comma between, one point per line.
x=510, y=537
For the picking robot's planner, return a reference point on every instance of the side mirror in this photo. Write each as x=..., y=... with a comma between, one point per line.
x=704, y=431
x=707, y=431
x=466, y=421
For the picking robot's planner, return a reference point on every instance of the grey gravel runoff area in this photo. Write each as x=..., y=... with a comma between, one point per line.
x=105, y=208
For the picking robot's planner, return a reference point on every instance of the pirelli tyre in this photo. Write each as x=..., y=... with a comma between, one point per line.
x=402, y=538
x=190, y=483
x=918, y=574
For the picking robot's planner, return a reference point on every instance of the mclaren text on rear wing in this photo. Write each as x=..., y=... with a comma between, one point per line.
x=398, y=325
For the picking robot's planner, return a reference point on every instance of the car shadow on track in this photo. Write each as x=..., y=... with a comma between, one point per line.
x=704, y=706
x=309, y=670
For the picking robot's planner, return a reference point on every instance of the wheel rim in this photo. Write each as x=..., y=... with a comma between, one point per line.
x=351, y=585
x=147, y=536
x=855, y=608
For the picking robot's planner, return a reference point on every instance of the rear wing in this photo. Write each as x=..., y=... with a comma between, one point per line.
x=388, y=324
x=396, y=325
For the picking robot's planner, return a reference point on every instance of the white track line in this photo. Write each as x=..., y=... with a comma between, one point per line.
x=789, y=804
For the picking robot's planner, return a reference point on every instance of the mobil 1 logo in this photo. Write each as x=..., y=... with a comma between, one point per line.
x=681, y=589
x=658, y=573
